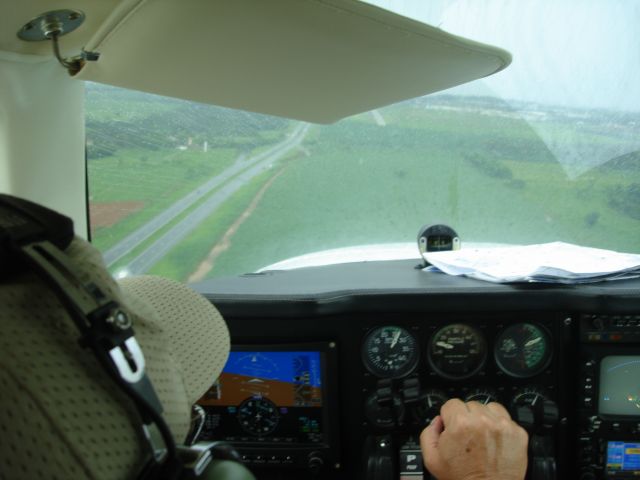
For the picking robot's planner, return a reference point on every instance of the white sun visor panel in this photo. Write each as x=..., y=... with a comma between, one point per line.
x=312, y=60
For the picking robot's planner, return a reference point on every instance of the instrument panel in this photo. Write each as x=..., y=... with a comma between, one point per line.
x=379, y=380
x=390, y=378
x=550, y=354
x=409, y=369
x=458, y=351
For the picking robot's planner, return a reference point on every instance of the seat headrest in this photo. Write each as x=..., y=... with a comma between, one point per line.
x=62, y=416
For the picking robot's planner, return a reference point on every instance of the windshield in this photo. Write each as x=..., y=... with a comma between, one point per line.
x=547, y=150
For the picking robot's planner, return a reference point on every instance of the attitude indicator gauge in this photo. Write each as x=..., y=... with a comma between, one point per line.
x=523, y=350
x=390, y=352
x=457, y=351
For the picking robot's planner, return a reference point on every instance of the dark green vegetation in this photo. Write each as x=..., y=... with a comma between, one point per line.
x=121, y=119
x=153, y=180
x=149, y=151
x=626, y=198
x=474, y=163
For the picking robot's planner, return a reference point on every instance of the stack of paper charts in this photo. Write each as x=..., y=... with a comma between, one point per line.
x=555, y=262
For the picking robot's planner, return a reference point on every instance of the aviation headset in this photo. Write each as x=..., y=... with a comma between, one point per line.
x=34, y=238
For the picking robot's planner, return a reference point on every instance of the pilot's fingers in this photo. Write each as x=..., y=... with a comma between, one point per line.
x=430, y=435
x=498, y=410
x=429, y=443
x=452, y=409
x=475, y=407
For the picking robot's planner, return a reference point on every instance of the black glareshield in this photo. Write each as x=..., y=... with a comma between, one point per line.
x=34, y=238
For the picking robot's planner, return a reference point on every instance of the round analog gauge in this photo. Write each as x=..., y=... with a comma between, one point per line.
x=482, y=395
x=530, y=397
x=523, y=350
x=457, y=351
x=258, y=416
x=390, y=352
x=428, y=407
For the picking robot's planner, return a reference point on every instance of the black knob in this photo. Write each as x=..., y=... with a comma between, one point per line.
x=523, y=415
x=588, y=475
x=428, y=406
x=550, y=414
x=411, y=390
x=533, y=403
x=315, y=462
x=543, y=468
x=387, y=414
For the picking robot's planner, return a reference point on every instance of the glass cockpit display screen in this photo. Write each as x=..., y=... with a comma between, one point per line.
x=268, y=396
x=620, y=385
x=623, y=457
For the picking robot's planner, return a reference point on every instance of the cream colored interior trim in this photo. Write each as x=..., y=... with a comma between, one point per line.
x=117, y=17
x=42, y=135
x=16, y=13
x=23, y=58
x=313, y=60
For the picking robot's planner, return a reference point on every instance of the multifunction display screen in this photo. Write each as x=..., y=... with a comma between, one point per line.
x=623, y=457
x=620, y=385
x=267, y=396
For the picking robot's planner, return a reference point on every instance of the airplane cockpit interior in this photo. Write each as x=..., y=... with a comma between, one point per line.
x=250, y=239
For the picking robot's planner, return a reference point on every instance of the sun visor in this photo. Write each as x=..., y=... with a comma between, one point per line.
x=312, y=60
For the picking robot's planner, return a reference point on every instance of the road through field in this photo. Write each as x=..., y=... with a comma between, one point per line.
x=139, y=235
x=158, y=249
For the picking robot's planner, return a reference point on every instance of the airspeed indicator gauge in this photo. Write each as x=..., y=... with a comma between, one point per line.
x=390, y=352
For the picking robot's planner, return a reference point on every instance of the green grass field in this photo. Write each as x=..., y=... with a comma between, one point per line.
x=180, y=262
x=367, y=184
x=489, y=176
x=149, y=150
x=155, y=178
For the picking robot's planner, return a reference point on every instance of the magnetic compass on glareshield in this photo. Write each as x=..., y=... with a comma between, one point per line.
x=437, y=238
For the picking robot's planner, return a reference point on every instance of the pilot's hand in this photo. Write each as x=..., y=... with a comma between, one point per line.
x=471, y=441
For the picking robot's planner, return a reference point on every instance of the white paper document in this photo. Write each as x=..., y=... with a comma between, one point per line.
x=555, y=262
